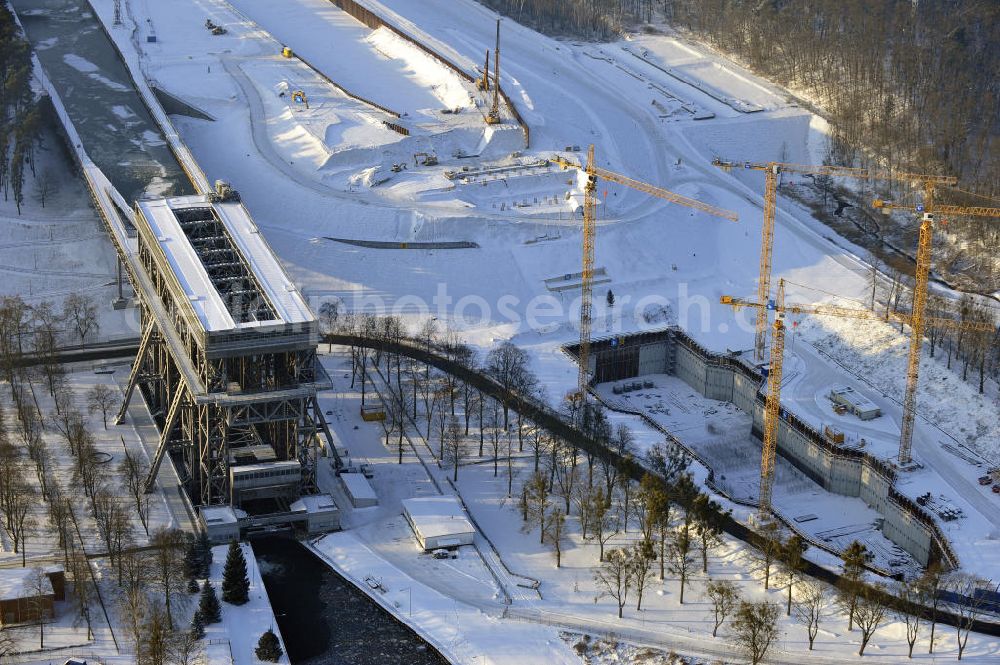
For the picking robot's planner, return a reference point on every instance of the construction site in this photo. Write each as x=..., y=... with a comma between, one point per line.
x=617, y=211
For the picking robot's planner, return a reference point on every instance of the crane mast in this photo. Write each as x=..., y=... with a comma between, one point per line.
x=494, y=115
x=773, y=400
x=593, y=172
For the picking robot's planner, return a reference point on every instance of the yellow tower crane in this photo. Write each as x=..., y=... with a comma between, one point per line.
x=921, y=277
x=773, y=401
x=772, y=172
x=589, y=228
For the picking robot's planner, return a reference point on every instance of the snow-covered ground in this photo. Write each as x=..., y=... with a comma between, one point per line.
x=311, y=174
x=454, y=602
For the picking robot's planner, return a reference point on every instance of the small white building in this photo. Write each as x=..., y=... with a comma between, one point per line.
x=221, y=523
x=855, y=402
x=359, y=490
x=438, y=521
x=321, y=512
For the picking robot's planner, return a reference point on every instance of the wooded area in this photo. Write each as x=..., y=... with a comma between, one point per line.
x=906, y=85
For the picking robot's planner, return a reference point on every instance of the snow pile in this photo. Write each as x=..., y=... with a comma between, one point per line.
x=877, y=351
x=447, y=86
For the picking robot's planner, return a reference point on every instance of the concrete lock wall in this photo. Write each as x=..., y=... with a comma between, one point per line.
x=844, y=472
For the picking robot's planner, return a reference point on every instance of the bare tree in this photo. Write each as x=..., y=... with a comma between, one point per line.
x=132, y=599
x=134, y=470
x=555, y=532
x=755, y=629
x=45, y=185
x=679, y=561
x=40, y=601
x=910, y=596
x=770, y=548
x=156, y=636
x=454, y=449
x=929, y=586
x=811, y=607
x=79, y=571
x=642, y=555
x=329, y=311
x=184, y=648
x=101, y=398
x=81, y=313
x=725, y=597
x=536, y=503
x=869, y=611
x=508, y=365
x=604, y=522
x=970, y=609
x=614, y=577
x=168, y=567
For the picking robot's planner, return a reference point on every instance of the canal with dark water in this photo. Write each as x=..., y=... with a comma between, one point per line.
x=117, y=131
x=325, y=620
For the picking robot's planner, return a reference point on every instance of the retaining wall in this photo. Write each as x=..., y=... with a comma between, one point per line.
x=847, y=472
x=374, y=21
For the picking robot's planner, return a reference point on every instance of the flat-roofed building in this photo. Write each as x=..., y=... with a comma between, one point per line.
x=359, y=491
x=29, y=594
x=855, y=402
x=438, y=521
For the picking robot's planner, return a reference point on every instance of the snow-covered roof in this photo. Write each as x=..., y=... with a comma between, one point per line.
x=315, y=503
x=218, y=515
x=358, y=486
x=287, y=304
x=20, y=583
x=853, y=396
x=436, y=516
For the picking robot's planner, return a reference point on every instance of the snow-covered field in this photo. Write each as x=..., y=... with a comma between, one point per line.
x=457, y=603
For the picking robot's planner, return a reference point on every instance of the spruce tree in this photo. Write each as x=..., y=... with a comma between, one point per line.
x=208, y=605
x=235, y=583
x=205, y=553
x=192, y=561
x=197, y=626
x=268, y=647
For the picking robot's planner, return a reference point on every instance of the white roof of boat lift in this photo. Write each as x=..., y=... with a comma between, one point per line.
x=283, y=296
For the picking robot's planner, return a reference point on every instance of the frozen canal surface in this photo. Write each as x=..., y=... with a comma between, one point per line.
x=325, y=620
x=117, y=130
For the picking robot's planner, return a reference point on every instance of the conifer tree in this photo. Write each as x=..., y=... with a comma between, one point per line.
x=235, y=583
x=208, y=605
x=197, y=626
x=268, y=648
x=204, y=548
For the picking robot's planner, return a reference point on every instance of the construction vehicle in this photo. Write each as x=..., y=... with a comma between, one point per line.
x=493, y=117
x=589, y=227
x=299, y=97
x=429, y=159
x=773, y=401
x=483, y=82
x=286, y=52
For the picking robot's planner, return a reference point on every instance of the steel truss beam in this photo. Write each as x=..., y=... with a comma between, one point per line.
x=140, y=359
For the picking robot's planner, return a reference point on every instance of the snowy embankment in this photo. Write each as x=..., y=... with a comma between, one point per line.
x=462, y=633
x=242, y=625
x=878, y=352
